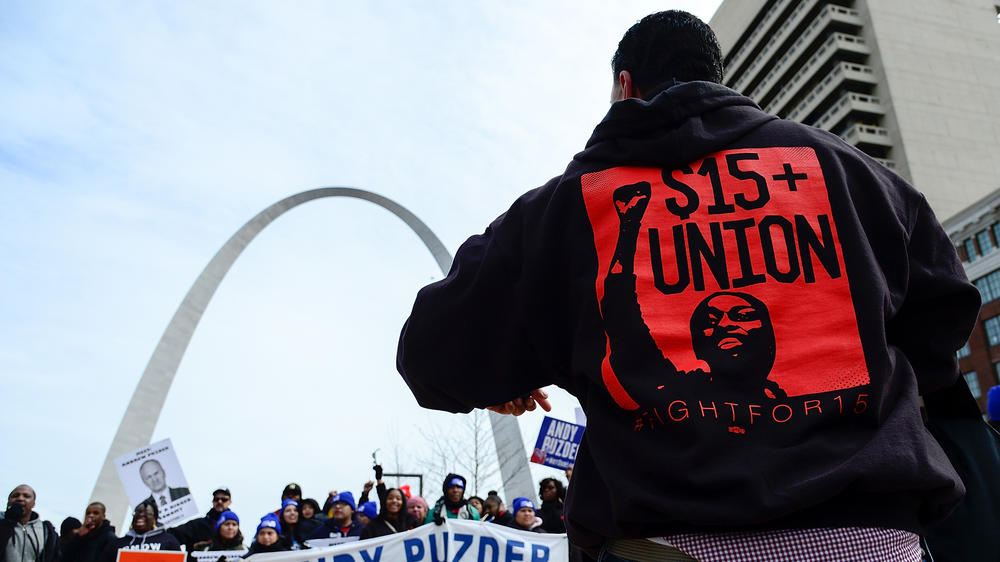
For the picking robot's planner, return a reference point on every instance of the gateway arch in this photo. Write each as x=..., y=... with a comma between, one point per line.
x=136, y=428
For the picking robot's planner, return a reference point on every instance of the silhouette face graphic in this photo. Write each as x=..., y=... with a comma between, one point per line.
x=732, y=332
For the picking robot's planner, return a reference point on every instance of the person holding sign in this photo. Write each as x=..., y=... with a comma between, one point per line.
x=144, y=535
x=748, y=309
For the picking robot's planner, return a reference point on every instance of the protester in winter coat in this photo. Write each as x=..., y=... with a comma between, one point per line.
x=143, y=535
x=268, y=537
x=89, y=540
x=524, y=516
x=392, y=517
x=495, y=512
x=452, y=505
x=202, y=528
x=417, y=508
x=292, y=533
x=310, y=517
x=343, y=523
x=227, y=535
x=24, y=537
x=552, y=494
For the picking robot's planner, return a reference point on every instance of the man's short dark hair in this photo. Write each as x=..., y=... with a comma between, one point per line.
x=670, y=45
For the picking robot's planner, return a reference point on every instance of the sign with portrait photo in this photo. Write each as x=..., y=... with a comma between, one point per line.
x=154, y=473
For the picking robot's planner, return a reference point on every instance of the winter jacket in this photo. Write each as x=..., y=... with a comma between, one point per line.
x=464, y=511
x=747, y=308
x=89, y=547
x=381, y=526
x=329, y=529
x=36, y=528
x=257, y=548
x=155, y=540
x=551, y=513
x=537, y=526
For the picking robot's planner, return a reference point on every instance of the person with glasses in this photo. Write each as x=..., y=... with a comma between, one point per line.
x=144, y=534
x=202, y=529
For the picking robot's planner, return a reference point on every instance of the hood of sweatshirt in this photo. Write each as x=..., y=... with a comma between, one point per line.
x=676, y=126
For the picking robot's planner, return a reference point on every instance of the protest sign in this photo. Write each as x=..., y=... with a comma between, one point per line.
x=214, y=555
x=557, y=444
x=151, y=556
x=454, y=541
x=154, y=473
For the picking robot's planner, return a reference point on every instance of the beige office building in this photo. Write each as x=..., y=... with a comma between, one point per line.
x=914, y=83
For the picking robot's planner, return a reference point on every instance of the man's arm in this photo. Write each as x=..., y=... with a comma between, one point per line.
x=940, y=307
x=493, y=318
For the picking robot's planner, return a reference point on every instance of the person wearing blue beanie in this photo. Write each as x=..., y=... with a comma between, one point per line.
x=524, y=516
x=227, y=535
x=343, y=523
x=367, y=512
x=268, y=537
x=292, y=535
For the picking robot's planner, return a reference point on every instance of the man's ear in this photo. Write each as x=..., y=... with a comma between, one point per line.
x=625, y=87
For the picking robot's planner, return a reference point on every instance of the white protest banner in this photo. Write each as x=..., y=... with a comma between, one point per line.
x=455, y=541
x=323, y=543
x=154, y=473
x=213, y=555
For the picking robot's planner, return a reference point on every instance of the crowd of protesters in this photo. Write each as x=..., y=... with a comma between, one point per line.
x=24, y=537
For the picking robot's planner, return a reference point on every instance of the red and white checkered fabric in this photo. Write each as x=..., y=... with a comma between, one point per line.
x=854, y=544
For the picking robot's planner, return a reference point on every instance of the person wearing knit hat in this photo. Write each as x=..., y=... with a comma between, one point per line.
x=417, y=507
x=452, y=505
x=310, y=517
x=367, y=512
x=227, y=534
x=343, y=523
x=524, y=516
x=292, y=491
x=267, y=538
x=292, y=535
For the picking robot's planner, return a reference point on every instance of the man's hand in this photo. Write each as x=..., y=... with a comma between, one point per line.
x=368, y=486
x=333, y=493
x=518, y=406
x=85, y=529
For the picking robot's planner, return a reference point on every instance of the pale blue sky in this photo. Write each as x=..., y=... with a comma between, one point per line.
x=136, y=137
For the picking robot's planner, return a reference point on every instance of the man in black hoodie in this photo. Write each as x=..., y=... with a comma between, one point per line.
x=687, y=192
x=88, y=541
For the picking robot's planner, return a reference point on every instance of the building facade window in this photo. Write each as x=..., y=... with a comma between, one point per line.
x=965, y=351
x=989, y=286
x=970, y=249
x=972, y=380
x=996, y=231
x=992, y=326
x=985, y=242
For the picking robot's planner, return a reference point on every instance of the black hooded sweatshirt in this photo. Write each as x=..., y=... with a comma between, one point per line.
x=747, y=309
x=89, y=547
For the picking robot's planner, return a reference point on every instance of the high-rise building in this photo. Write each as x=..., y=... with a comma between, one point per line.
x=975, y=231
x=913, y=83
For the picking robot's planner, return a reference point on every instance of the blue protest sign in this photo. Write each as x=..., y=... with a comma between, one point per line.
x=557, y=444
